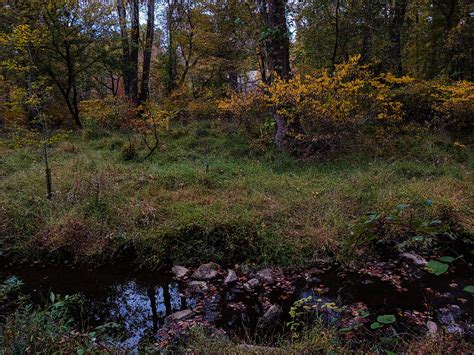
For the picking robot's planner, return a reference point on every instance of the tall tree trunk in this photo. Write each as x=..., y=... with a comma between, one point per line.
x=395, y=36
x=233, y=80
x=277, y=52
x=278, y=45
x=172, y=61
x=150, y=31
x=122, y=15
x=336, y=29
x=134, y=48
x=367, y=28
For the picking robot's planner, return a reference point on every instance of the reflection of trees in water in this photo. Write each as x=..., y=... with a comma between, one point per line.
x=154, y=313
x=140, y=307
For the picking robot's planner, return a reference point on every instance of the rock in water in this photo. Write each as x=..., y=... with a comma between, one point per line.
x=432, y=328
x=231, y=277
x=251, y=284
x=198, y=286
x=206, y=271
x=269, y=319
x=265, y=275
x=178, y=316
x=179, y=271
x=416, y=259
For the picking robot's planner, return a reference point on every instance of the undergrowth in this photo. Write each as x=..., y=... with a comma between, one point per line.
x=209, y=193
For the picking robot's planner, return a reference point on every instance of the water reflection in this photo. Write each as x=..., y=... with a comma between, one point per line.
x=138, y=302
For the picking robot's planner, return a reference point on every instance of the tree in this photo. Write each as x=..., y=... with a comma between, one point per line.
x=31, y=90
x=276, y=55
x=150, y=31
x=74, y=31
x=130, y=40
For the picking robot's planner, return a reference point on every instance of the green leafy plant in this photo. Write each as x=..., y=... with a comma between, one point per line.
x=10, y=286
x=383, y=320
x=469, y=288
x=449, y=259
x=417, y=233
x=437, y=267
x=296, y=311
x=440, y=266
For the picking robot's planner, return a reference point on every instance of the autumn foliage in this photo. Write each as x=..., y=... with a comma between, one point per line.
x=330, y=107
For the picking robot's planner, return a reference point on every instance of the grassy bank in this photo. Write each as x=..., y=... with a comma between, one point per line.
x=210, y=193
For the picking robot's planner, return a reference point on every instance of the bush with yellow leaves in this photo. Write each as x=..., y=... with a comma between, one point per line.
x=249, y=109
x=455, y=105
x=108, y=113
x=329, y=107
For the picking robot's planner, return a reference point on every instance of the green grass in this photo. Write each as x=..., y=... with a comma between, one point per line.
x=250, y=204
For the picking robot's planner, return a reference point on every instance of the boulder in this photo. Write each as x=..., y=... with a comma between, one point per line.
x=179, y=271
x=415, y=259
x=455, y=329
x=432, y=328
x=449, y=315
x=251, y=284
x=178, y=316
x=198, y=286
x=265, y=276
x=231, y=277
x=206, y=271
x=270, y=318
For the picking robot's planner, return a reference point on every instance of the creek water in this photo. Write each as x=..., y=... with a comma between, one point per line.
x=140, y=301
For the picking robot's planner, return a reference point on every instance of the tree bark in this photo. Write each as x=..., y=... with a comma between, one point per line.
x=395, y=36
x=172, y=61
x=134, y=49
x=278, y=41
x=276, y=56
x=336, y=43
x=150, y=31
x=122, y=15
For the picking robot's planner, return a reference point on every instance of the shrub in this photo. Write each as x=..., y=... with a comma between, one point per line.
x=128, y=152
x=52, y=329
x=418, y=101
x=456, y=105
x=187, y=105
x=330, y=107
x=108, y=113
x=442, y=104
x=249, y=109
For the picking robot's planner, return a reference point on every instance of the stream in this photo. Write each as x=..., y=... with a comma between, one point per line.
x=140, y=301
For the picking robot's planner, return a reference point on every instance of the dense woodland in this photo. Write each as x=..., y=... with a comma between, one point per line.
x=236, y=135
